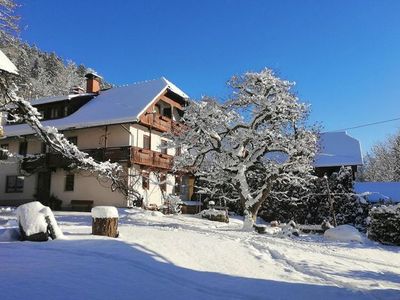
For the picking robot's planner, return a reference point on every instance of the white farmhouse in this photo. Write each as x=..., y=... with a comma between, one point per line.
x=122, y=124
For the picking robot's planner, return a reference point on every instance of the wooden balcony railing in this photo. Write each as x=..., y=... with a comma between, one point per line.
x=150, y=158
x=162, y=123
x=134, y=155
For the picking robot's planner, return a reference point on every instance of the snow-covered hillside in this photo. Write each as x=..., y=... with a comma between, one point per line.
x=185, y=257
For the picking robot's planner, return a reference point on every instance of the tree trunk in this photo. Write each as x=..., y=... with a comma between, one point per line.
x=250, y=213
x=105, y=227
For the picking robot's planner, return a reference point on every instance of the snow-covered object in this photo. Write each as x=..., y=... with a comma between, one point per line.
x=344, y=233
x=104, y=212
x=32, y=218
x=7, y=65
x=215, y=215
x=338, y=149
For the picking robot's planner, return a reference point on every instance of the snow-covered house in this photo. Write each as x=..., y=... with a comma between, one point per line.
x=121, y=124
x=337, y=149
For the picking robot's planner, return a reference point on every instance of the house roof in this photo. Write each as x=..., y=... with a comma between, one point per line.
x=114, y=106
x=338, y=149
x=53, y=99
x=6, y=64
x=375, y=191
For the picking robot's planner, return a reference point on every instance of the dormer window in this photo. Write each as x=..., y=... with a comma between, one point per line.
x=54, y=113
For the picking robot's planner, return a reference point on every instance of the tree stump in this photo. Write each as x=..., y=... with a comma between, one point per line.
x=105, y=221
x=105, y=226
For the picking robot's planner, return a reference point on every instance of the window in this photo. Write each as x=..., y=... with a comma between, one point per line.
x=23, y=148
x=163, y=182
x=146, y=142
x=69, y=182
x=3, y=155
x=54, y=113
x=167, y=112
x=178, y=151
x=73, y=140
x=65, y=111
x=14, y=184
x=145, y=180
x=178, y=181
x=164, y=149
x=45, y=148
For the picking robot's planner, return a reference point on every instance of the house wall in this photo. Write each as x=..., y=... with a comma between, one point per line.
x=86, y=187
x=91, y=138
x=152, y=195
x=9, y=168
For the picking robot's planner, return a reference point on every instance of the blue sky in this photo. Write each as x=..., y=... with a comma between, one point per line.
x=344, y=55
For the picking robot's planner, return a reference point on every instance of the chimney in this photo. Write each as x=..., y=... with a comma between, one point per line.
x=92, y=83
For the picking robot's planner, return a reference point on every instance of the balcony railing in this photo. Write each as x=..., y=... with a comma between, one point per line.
x=150, y=158
x=134, y=155
x=162, y=123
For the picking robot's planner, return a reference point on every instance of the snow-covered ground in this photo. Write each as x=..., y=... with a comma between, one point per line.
x=185, y=257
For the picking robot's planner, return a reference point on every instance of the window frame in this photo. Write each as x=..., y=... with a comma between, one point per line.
x=68, y=186
x=145, y=180
x=23, y=150
x=3, y=155
x=146, y=139
x=163, y=179
x=164, y=150
x=16, y=188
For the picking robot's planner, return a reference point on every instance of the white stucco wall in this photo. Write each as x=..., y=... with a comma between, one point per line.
x=9, y=168
x=86, y=187
x=152, y=195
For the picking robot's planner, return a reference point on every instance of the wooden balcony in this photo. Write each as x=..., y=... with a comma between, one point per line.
x=161, y=123
x=149, y=158
x=114, y=154
x=133, y=155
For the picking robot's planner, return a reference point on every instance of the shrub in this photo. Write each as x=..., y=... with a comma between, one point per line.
x=384, y=224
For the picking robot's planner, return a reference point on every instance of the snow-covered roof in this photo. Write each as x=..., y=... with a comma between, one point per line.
x=53, y=99
x=338, y=149
x=375, y=191
x=7, y=65
x=114, y=106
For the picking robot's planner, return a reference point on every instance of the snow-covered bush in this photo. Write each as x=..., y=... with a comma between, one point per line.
x=172, y=205
x=37, y=222
x=311, y=204
x=344, y=233
x=384, y=225
x=215, y=215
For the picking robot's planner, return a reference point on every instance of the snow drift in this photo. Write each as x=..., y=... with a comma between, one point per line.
x=344, y=233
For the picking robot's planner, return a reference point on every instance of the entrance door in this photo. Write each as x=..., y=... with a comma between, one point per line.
x=43, y=187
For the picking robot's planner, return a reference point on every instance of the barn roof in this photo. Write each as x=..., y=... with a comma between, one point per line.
x=338, y=149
